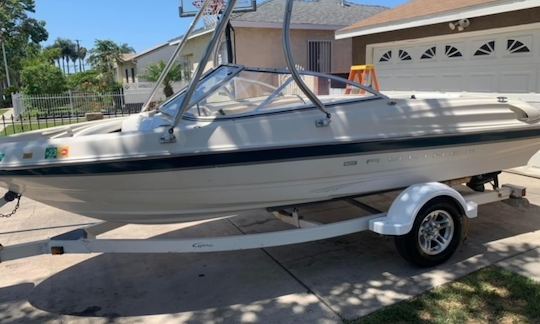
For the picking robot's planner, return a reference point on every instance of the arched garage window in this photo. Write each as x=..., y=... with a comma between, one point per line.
x=486, y=49
x=515, y=46
x=386, y=57
x=429, y=53
x=404, y=55
x=452, y=52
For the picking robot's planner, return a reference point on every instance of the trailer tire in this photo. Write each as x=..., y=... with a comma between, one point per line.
x=439, y=221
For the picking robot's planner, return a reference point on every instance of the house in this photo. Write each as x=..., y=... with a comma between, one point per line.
x=452, y=45
x=257, y=39
x=314, y=22
x=125, y=69
x=131, y=69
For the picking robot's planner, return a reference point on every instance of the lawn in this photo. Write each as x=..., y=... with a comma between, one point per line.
x=491, y=295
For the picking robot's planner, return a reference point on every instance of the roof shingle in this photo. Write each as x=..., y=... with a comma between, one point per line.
x=316, y=12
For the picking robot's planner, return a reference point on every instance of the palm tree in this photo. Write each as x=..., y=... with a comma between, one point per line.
x=82, y=55
x=67, y=48
x=69, y=52
x=104, y=56
x=126, y=49
x=59, y=44
x=154, y=71
x=74, y=56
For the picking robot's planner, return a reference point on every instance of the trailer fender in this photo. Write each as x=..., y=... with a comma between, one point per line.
x=400, y=217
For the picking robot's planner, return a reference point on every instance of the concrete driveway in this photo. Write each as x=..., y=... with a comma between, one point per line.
x=319, y=282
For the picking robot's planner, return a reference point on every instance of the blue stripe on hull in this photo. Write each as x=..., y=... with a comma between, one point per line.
x=221, y=159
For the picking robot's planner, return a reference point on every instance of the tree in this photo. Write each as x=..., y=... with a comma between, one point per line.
x=74, y=56
x=43, y=78
x=68, y=50
x=126, y=49
x=87, y=81
x=52, y=55
x=154, y=71
x=14, y=21
x=19, y=32
x=104, y=57
x=81, y=53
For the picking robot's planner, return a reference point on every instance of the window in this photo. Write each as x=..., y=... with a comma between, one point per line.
x=231, y=91
x=404, y=56
x=133, y=75
x=127, y=76
x=515, y=46
x=187, y=67
x=429, y=54
x=386, y=57
x=206, y=85
x=452, y=52
x=486, y=49
x=320, y=56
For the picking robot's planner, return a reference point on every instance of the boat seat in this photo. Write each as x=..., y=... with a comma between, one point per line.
x=245, y=106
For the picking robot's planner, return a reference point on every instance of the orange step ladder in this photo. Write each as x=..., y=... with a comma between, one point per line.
x=364, y=75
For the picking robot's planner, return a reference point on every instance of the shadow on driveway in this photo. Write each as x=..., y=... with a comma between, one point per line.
x=353, y=275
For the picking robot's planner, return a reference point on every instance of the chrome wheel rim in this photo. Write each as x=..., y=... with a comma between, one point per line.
x=436, y=232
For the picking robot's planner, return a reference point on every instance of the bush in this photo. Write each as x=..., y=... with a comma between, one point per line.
x=91, y=81
x=42, y=78
x=88, y=81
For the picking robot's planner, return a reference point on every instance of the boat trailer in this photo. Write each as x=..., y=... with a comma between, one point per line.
x=398, y=221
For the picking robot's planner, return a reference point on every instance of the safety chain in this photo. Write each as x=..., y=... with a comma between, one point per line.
x=8, y=215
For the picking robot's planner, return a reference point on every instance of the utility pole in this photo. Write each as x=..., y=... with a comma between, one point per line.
x=5, y=60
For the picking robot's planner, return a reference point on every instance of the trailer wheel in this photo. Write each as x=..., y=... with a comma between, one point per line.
x=436, y=234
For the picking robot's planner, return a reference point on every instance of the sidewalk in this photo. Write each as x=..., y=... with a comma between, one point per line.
x=526, y=264
x=7, y=115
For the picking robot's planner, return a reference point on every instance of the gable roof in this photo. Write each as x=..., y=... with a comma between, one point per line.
x=416, y=11
x=309, y=12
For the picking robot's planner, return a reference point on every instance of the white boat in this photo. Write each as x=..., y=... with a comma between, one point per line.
x=242, y=138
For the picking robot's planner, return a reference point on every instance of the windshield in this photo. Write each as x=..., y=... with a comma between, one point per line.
x=205, y=86
x=232, y=91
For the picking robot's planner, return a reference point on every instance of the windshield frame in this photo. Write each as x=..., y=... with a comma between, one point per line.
x=258, y=111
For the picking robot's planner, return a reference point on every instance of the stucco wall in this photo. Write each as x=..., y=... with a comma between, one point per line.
x=121, y=72
x=258, y=47
x=161, y=54
x=520, y=17
x=195, y=48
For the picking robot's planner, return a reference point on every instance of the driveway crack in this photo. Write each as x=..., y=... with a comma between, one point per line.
x=292, y=275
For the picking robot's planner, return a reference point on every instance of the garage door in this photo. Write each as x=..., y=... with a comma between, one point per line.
x=495, y=62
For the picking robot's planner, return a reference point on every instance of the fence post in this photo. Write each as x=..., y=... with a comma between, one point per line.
x=13, y=124
x=71, y=102
x=18, y=104
x=122, y=99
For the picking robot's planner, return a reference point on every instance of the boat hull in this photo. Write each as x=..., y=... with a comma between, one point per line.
x=182, y=195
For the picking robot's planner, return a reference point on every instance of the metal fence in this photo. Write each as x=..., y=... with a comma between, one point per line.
x=129, y=99
x=78, y=104
x=16, y=124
